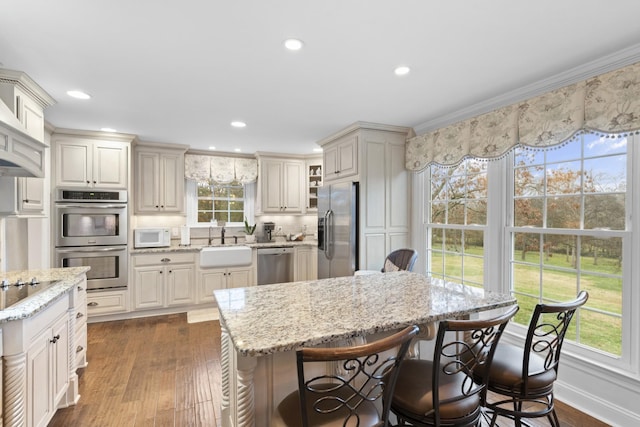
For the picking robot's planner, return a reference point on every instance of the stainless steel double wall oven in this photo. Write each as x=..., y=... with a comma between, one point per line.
x=91, y=230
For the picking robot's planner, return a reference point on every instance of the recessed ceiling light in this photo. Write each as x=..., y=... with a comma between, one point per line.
x=238, y=124
x=212, y=148
x=317, y=150
x=237, y=150
x=78, y=94
x=293, y=44
x=108, y=130
x=402, y=70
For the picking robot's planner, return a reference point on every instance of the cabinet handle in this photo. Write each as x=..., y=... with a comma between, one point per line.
x=55, y=339
x=25, y=201
x=95, y=182
x=157, y=206
x=88, y=182
x=79, y=315
x=79, y=349
x=165, y=259
x=92, y=304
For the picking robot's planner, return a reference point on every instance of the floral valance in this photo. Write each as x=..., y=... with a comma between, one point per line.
x=221, y=170
x=609, y=103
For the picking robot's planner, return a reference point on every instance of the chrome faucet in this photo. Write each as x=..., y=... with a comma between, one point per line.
x=222, y=235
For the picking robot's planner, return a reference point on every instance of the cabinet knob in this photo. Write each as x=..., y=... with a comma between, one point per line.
x=170, y=271
x=80, y=289
x=92, y=304
x=79, y=349
x=79, y=315
x=162, y=206
x=95, y=182
x=160, y=271
x=25, y=201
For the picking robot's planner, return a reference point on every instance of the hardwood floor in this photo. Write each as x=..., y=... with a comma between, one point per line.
x=163, y=371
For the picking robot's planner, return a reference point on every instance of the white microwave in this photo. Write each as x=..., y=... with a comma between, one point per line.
x=151, y=238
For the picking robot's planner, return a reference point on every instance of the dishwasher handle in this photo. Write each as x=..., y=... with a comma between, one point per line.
x=275, y=251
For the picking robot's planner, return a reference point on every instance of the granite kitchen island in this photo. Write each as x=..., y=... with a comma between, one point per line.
x=263, y=326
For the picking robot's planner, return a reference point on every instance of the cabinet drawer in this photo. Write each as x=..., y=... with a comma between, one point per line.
x=169, y=257
x=106, y=303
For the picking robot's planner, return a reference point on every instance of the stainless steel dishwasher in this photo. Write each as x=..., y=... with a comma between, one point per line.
x=275, y=265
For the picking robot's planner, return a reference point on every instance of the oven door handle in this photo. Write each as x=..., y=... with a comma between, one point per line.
x=93, y=206
x=92, y=249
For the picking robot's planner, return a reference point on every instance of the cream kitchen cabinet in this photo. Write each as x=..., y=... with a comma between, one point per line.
x=91, y=160
x=306, y=263
x=223, y=278
x=47, y=372
x=340, y=159
x=374, y=156
x=26, y=100
x=282, y=189
x=314, y=181
x=159, y=185
x=22, y=196
x=163, y=280
x=103, y=303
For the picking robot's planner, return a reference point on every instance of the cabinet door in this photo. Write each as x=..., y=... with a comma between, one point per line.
x=72, y=164
x=172, y=177
x=210, y=280
x=110, y=164
x=60, y=356
x=180, y=284
x=147, y=182
x=348, y=157
x=31, y=195
x=39, y=381
x=292, y=187
x=148, y=283
x=306, y=263
x=239, y=277
x=271, y=186
x=330, y=161
x=30, y=114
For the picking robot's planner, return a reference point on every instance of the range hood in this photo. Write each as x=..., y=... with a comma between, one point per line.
x=20, y=154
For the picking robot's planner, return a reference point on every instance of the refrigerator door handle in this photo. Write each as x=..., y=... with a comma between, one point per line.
x=329, y=234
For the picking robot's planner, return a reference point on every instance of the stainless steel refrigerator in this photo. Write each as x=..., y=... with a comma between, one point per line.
x=337, y=230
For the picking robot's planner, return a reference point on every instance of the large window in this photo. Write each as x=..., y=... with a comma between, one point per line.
x=562, y=224
x=568, y=233
x=457, y=217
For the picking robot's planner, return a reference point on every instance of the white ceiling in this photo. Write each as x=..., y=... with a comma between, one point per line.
x=181, y=71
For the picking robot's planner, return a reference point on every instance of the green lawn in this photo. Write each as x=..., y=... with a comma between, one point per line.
x=598, y=325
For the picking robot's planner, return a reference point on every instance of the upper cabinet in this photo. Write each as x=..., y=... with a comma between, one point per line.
x=159, y=179
x=91, y=160
x=25, y=196
x=341, y=159
x=314, y=181
x=26, y=100
x=282, y=187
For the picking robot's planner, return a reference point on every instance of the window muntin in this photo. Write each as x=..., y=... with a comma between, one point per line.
x=569, y=221
x=222, y=202
x=457, y=216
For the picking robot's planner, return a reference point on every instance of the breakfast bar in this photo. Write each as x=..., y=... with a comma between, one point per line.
x=263, y=326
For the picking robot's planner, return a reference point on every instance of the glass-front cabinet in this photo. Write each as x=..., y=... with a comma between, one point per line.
x=314, y=180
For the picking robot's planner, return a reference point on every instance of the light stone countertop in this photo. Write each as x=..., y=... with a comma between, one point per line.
x=197, y=248
x=287, y=316
x=67, y=278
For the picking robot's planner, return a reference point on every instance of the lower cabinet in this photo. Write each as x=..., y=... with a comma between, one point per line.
x=47, y=372
x=163, y=280
x=306, y=263
x=223, y=278
x=100, y=303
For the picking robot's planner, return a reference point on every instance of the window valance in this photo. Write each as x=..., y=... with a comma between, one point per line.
x=221, y=170
x=609, y=103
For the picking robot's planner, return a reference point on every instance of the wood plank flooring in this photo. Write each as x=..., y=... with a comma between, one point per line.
x=163, y=371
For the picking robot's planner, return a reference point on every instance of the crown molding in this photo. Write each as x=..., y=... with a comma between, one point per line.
x=582, y=72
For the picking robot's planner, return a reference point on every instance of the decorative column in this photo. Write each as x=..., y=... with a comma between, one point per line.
x=224, y=368
x=245, y=403
x=15, y=390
